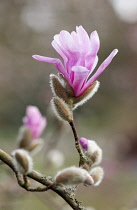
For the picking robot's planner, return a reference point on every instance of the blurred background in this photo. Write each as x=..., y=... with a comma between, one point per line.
x=27, y=27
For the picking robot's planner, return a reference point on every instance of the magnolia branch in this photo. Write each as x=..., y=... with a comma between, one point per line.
x=24, y=183
x=83, y=159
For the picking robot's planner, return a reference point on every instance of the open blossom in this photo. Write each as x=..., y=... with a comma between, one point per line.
x=34, y=121
x=79, y=54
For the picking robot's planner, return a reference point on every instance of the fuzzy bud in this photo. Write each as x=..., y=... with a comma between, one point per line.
x=88, y=93
x=73, y=176
x=34, y=121
x=61, y=109
x=24, y=137
x=93, y=151
x=22, y=161
x=97, y=174
x=57, y=88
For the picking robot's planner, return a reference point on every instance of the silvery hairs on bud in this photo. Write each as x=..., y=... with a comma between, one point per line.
x=97, y=174
x=88, y=93
x=57, y=88
x=73, y=176
x=61, y=109
x=94, y=152
x=22, y=161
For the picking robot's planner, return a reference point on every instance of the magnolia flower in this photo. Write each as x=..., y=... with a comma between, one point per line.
x=79, y=54
x=34, y=121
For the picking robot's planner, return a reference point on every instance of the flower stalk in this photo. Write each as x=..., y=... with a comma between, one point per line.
x=83, y=158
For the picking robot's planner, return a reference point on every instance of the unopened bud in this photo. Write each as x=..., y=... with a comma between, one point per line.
x=97, y=174
x=88, y=93
x=22, y=161
x=93, y=151
x=61, y=109
x=57, y=88
x=73, y=176
x=24, y=137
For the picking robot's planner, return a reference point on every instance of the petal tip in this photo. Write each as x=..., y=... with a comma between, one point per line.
x=35, y=56
x=115, y=51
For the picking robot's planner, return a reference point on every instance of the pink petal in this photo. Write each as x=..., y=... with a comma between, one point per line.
x=42, y=126
x=95, y=42
x=56, y=62
x=84, y=143
x=80, y=75
x=83, y=39
x=102, y=67
x=67, y=42
x=59, y=50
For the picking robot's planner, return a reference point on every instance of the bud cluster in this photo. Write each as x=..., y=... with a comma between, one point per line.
x=28, y=140
x=64, y=98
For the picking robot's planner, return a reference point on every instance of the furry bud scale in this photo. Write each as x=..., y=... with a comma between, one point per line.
x=89, y=92
x=22, y=161
x=61, y=109
x=73, y=176
x=97, y=174
x=57, y=88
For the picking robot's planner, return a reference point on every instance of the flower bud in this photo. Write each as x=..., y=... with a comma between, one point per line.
x=34, y=121
x=61, y=109
x=97, y=174
x=89, y=92
x=57, y=88
x=24, y=137
x=73, y=176
x=93, y=151
x=22, y=161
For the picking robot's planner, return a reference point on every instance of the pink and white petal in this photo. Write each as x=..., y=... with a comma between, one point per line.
x=41, y=127
x=91, y=62
x=95, y=42
x=56, y=62
x=75, y=39
x=80, y=75
x=84, y=41
x=95, y=64
x=56, y=38
x=102, y=67
x=59, y=50
x=33, y=115
x=67, y=42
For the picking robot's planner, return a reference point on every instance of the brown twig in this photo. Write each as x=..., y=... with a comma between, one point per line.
x=7, y=159
x=83, y=159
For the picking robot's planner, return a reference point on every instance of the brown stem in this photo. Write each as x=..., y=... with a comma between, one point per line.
x=77, y=145
x=7, y=159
